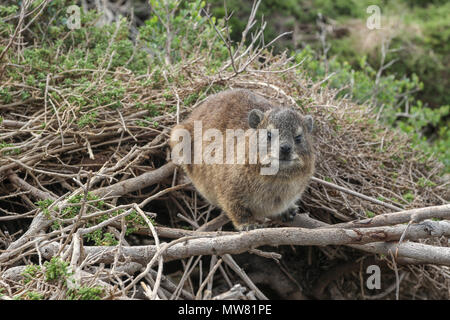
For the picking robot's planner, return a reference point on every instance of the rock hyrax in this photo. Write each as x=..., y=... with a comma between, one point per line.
x=240, y=189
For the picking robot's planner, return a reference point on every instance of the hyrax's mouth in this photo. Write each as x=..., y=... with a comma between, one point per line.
x=284, y=162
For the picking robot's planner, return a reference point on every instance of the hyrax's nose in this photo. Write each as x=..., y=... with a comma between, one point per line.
x=285, y=149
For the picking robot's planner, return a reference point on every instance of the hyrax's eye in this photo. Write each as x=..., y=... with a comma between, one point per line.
x=298, y=138
x=269, y=135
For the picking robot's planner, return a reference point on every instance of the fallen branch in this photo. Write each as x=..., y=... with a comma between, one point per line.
x=244, y=241
x=414, y=215
x=25, y=186
x=134, y=184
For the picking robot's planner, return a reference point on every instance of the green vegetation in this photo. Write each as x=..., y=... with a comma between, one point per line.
x=84, y=293
x=56, y=271
x=408, y=196
x=98, y=237
x=43, y=205
x=370, y=214
x=30, y=272
x=34, y=295
x=86, y=119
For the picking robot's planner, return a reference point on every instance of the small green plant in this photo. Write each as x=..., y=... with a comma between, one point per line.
x=370, y=214
x=30, y=272
x=423, y=182
x=5, y=95
x=4, y=145
x=34, y=295
x=101, y=238
x=408, y=196
x=75, y=205
x=190, y=99
x=43, y=205
x=56, y=269
x=86, y=119
x=84, y=293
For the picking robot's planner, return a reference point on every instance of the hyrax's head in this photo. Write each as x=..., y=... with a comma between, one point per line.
x=294, y=136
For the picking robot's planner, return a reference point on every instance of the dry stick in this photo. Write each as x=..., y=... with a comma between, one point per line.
x=15, y=274
x=208, y=277
x=235, y=293
x=11, y=123
x=388, y=290
x=137, y=183
x=421, y=253
x=77, y=244
x=24, y=6
x=269, y=85
x=214, y=224
x=357, y=194
x=156, y=255
x=209, y=287
x=167, y=284
x=413, y=215
x=38, y=157
x=186, y=274
x=174, y=233
x=233, y=265
x=40, y=222
x=162, y=192
x=160, y=259
x=302, y=220
x=22, y=184
x=56, y=174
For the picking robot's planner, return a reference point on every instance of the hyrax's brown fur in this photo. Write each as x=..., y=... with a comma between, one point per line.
x=241, y=190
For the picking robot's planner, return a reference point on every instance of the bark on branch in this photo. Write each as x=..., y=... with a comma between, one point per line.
x=414, y=215
x=244, y=241
x=139, y=182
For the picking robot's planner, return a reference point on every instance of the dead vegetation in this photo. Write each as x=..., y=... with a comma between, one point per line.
x=104, y=197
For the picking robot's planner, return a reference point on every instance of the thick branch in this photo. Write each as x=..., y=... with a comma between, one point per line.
x=414, y=215
x=134, y=184
x=23, y=185
x=244, y=241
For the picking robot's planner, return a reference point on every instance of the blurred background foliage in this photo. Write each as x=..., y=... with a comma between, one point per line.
x=332, y=37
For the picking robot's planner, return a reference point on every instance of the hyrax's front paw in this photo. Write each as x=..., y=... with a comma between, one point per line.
x=289, y=214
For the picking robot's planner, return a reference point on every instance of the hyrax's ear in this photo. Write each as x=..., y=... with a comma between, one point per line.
x=309, y=123
x=254, y=118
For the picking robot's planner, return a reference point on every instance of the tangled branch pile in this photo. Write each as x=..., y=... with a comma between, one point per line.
x=88, y=192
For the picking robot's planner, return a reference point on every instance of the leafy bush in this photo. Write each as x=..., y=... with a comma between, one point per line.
x=390, y=97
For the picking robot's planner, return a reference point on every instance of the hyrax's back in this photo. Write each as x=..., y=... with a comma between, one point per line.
x=227, y=110
x=240, y=190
